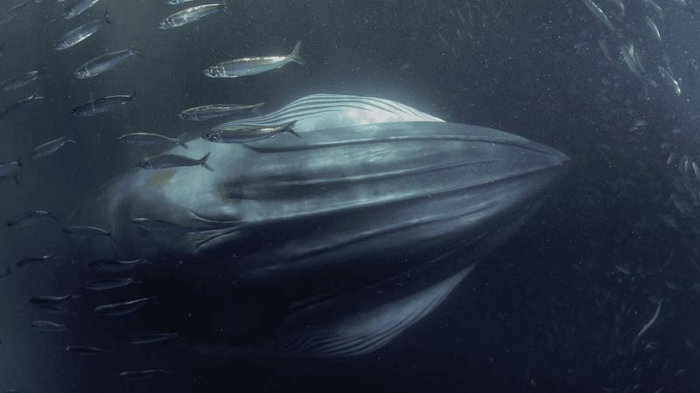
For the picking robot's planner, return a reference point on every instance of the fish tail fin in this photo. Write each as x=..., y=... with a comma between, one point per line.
x=290, y=129
x=203, y=161
x=135, y=51
x=70, y=140
x=296, y=54
x=132, y=96
x=256, y=108
x=106, y=18
x=181, y=141
x=146, y=261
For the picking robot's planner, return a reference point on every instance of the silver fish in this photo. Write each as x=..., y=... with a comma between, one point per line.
x=141, y=373
x=190, y=15
x=599, y=14
x=177, y=2
x=118, y=266
x=36, y=260
x=54, y=308
x=153, y=338
x=125, y=308
x=10, y=170
x=248, y=134
x=145, y=139
x=172, y=161
x=22, y=80
x=208, y=112
x=19, y=104
x=253, y=65
x=81, y=33
x=107, y=284
x=104, y=63
x=49, y=326
x=84, y=350
x=48, y=148
x=78, y=8
x=654, y=29
x=102, y=105
x=12, y=13
x=30, y=218
x=52, y=300
x=80, y=230
x=670, y=80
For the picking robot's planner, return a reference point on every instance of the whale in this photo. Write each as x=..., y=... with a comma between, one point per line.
x=327, y=244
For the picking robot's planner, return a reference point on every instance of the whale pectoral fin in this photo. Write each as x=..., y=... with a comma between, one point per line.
x=369, y=328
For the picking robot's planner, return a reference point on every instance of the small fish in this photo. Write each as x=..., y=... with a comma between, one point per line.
x=248, y=134
x=107, y=284
x=81, y=33
x=10, y=170
x=253, y=65
x=49, y=326
x=36, y=260
x=54, y=308
x=48, y=148
x=141, y=373
x=654, y=29
x=153, y=338
x=8, y=272
x=22, y=80
x=80, y=230
x=84, y=350
x=102, y=105
x=124, y=308
x=104, y=63
x=78, y=8
x=172, y=161
x=599, y=14
x=190, y=15
x=30, y=218
x=670, y=80
x=19, y=104
x=53, y=300
x=144, y=139
x=12, y=13
x=118, y=266
x=208, y=112
x=177, y=2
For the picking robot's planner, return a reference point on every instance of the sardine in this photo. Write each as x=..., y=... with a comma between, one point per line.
x=102, y=105
x=118, y=266
x=599, y=14
x=141, y=373
x=248, y=134
x=12, y=13
x=84, y=350
x=30, y=218
x=22, y=80
x=125, y=308
x=78, y=8
x=153, y=338
x=178, y=2
x=19, y=104
x=190, y=15
x=10, y=170
x=87, y=231
x=670, y=80
x=654, y=29
x=215, y=111
x=81, y=33
x=104, y=63
x=172, y=161
x=107, y=284
x=36, y=260
x=145, y=139
x=49, y=326
x=52, y=300
x=253, y=65
x=48, y=148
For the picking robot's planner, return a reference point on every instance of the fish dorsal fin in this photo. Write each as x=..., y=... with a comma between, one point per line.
x=369, y=329
x=328, y=111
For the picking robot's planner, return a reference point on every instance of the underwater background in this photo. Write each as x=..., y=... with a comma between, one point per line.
x=556, y=309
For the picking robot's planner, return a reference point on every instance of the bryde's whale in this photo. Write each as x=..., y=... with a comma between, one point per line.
x=330, y=244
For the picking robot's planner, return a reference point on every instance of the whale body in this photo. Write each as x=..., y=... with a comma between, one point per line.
x=330, y=244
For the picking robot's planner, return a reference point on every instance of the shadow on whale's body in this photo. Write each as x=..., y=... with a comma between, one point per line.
x=330, y=244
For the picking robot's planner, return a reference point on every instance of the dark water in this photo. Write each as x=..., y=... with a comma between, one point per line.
x=555, y=309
